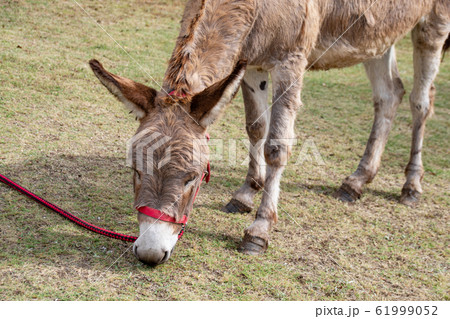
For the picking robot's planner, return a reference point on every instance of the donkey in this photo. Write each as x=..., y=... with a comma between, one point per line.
x=227, y=44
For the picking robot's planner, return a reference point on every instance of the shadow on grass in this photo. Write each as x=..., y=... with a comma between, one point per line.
x=93, y=187
x=235, y=180
x=329, y=190
x=390, y=196
x=231, y=242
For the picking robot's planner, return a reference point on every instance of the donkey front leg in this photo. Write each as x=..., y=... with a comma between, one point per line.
x=254, y=89
x=388, y=92
x=287, y=81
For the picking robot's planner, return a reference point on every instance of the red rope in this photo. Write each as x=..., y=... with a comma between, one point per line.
x=66, y=214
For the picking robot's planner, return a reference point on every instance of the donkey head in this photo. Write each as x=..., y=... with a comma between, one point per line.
x=168, y=153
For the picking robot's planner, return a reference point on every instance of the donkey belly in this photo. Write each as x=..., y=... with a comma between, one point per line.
x=341, y=55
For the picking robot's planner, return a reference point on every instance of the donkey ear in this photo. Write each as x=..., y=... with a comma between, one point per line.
x=137, y=97
x=209, y=104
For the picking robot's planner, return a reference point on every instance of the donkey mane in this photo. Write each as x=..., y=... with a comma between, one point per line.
x=209, y=44
x=176, y=74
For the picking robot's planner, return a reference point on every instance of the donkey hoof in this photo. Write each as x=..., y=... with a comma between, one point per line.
x=252, y=245
x=235, y=206
x=410, y=197
x=347, y=194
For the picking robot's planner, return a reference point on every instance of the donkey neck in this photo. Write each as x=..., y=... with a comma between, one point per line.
x=209, y=44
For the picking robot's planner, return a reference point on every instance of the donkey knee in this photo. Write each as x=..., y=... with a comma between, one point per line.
x=256, y=130
x=276, y=154
x=387, y=103
x=421, y=108
x=386, y=106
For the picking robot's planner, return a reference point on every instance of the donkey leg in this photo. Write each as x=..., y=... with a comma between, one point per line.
x=428, y=39
x=286, y=80
x=255, y=91
x=388, y=92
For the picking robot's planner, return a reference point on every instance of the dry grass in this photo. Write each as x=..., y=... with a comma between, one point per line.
x=63, y=136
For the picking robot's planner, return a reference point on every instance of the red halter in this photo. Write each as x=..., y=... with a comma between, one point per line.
x=159, y=215
x=174, y=93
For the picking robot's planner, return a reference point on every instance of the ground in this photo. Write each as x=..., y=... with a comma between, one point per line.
x=63, y=136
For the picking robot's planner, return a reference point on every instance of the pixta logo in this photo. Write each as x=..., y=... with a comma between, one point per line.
x=142, y=149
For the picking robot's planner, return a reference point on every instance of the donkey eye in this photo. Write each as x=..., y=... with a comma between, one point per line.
x=189, y=181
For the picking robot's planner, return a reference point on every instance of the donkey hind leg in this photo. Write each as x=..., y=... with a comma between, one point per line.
x=255, y=91
x=277, y=148
x=428, y=39
x=388, y=92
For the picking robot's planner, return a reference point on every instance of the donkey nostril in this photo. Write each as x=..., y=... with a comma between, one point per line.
x=135, y=250
x=166, y=257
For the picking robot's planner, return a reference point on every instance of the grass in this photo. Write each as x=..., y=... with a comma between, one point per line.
x=63, y=136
